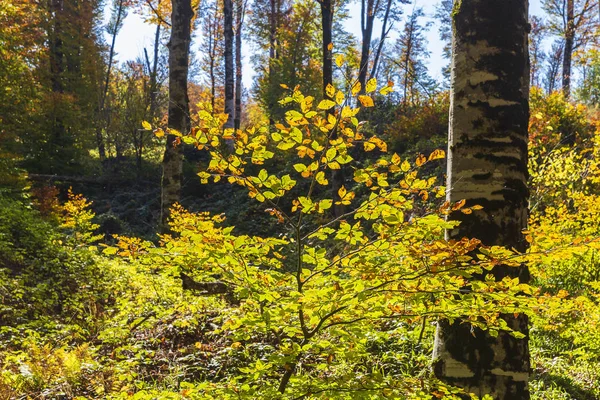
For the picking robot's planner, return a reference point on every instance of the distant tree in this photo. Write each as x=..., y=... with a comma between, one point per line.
x=370, y=11
x=410, y=52
x=228, y=58
x=179, y=118
x=118, y=14
x=575, y=22
x=536, y=51
x=443, y=13
x=240, y=11
x=267, y=20
x=212, y=50
x=552, y=78
x=74, y=76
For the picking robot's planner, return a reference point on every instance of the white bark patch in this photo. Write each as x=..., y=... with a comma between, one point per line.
x=516, y=376
x=480, y=77
x=456, y=369
x=496, y=102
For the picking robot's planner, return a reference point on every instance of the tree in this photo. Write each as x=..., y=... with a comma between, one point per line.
x=443, y=13
x=411, y=48
x=179, y=118
x=370, y=10
x=229, y=72
x=240, y=12
x=536, y=51
x=487, y=166
x=212, y=50
x=552, y=79
x=574, y=21
x=118, y=14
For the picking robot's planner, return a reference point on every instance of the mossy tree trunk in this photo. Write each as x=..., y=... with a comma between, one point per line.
x=179, y=116
x=487, y=165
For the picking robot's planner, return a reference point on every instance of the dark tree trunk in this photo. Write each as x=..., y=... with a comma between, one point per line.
x=367, y=18
x=568, y=49
x=179, y=118
x=337, y=176
x=229, y=73
x=487, y=165
x=384, y=32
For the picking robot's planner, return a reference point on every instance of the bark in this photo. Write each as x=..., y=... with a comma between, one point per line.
x=568, y=49
x=239, y=20
x=367, y=18
x=487, y=165
x=384, y=32
x=229, y=73
x=337, y=175
x=179, y=118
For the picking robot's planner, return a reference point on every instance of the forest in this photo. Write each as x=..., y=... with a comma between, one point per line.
x=350, y=225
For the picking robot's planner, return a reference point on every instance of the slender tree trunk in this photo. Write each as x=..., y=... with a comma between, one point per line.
x=568, y=50
x=57, y=63
x=367, y=18
x=154, y=75
x=229, y=73
x=104, y=94
x=384, y=33
x=273, y=20
x=487, y=165
x=337, y=176
x=239, y=20
x=179, y=118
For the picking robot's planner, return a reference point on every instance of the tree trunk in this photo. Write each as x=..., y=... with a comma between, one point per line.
x=239, y=20
x=229, y=73
x=487, y=165
x=568, y=49
x=367, y=18
x=104, y=94
x=337, y=175
x=384, y=33
x=179, y=118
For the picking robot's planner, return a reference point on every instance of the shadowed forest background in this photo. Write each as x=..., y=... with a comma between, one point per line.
x=166, y=232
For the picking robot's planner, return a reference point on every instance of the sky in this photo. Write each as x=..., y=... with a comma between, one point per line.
x=135, y=35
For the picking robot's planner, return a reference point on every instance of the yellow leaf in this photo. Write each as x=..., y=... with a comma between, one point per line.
x=420, y=160
x=437, y=154
x=159, y=133
x=329, y=90
x=325, y=104
x=369, y=146
x=320, y=178
x=283, y=85
x=366, y=101
x=339, y=97
x=387, y=89
x=339, y=60
x=356, y=88
x=146, y=125
x=396, y=159
x=371, y=85
x=405, y=167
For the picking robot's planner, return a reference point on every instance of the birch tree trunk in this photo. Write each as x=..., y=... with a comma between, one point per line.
x=179, y=116
x=229, y=73
x=487, y=165
x=239, y=21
